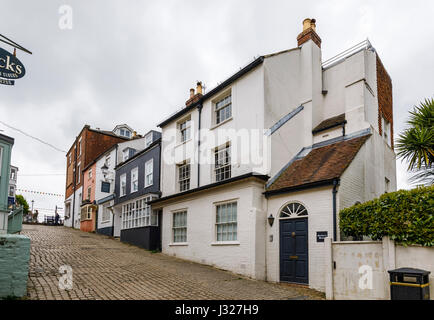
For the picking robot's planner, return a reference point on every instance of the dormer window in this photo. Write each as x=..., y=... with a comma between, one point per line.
x=148, y=139
x=128, y=153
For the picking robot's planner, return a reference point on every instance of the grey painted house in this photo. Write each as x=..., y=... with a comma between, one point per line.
x=137, y=181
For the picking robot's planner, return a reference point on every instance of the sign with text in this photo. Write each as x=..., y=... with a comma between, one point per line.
x=7, y=82
x=10, y=66
x=321, y=235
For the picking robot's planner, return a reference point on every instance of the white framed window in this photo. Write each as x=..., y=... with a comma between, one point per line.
x=78, y=172
x=185, y=129
x=86, y=213
x=386, y=131
x=11, y=191
x=13, y=174
x=223, y=109
x=179, y=226
x=105, y=214
x=123, y=185
x=222, y=167
x=70, y=158
x=107, y=161
x=148, y=139
x=184, y=176
x=135, y=179
x=79, y=147
x=149, y=173
x=89, y=193
x=125, y=154
x=138, y=213
x=226, y=221
x=90, y=173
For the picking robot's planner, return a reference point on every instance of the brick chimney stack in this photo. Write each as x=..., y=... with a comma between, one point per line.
x=309, y=33
x=195, y=97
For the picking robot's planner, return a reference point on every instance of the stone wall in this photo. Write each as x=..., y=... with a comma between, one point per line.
x=14, y=265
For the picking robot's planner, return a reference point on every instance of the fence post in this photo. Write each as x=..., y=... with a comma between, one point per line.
x=329, y=268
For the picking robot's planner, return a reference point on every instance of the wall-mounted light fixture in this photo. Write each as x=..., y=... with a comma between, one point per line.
x=271, y=220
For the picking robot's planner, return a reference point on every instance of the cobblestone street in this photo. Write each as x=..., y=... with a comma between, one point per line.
x=105, y=268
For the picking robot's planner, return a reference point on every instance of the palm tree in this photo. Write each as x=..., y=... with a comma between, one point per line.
x=416, y=144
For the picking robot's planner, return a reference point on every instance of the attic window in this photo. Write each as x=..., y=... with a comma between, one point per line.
x=148, y=139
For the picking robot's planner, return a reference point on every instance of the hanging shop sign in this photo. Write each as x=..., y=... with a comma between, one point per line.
x=10, y=66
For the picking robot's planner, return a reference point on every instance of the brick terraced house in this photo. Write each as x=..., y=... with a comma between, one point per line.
x=254, y=172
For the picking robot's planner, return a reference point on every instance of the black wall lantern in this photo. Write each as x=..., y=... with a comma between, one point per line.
x=271, y=220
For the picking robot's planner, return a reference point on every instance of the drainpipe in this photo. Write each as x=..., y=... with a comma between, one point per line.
x=198, y=145
x=75, y=181
x=335, y=191
x=114, y=184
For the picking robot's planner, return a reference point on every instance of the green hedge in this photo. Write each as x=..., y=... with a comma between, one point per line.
x=406, y=216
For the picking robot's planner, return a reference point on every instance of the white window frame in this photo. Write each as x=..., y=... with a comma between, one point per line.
x=90, y=173
x=135, y=179
x=13, y=191
x=183, y=178
x=148, y=137
x=386, y=131
x=89, y=192
x=107, y=161
x=225, y=108
x=79, y=172
x=182, y=237
x=225, y=228
x=149, y=173
x=14, y=171
x=137, y=213
x=79, y=146
x=122, y=180
x=187, y=129
x=125, y=154
x=225, y=167
x=106, y=214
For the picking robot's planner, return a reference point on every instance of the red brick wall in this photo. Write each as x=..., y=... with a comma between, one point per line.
x=385, y=99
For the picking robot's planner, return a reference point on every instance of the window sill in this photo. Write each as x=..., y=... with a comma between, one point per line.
x=178, y=244
x=221, y=123
x=182, y=142
x=225, y=243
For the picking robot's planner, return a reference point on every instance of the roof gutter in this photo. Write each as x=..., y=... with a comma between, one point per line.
x=212, y=92
x=316, y=184
x=212, y=185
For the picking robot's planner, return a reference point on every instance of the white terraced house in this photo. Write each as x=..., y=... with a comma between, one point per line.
x=255, y=171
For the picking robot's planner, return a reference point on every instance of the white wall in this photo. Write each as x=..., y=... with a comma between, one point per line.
x=319, y=205
x=68, y=222
x=354, y=258
x=246, y=256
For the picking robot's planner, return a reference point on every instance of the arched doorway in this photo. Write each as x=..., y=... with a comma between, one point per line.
x=293, y=224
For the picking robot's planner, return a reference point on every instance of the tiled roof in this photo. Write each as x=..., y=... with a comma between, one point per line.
x=330, y=123
x=320, y=164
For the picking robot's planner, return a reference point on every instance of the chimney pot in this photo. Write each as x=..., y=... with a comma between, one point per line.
x=306, y=23
x=199, y=87
x=191, y=93
x=309, y=33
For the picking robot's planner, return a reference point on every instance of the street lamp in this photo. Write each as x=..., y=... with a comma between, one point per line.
x=104, y=170
x=271, y=219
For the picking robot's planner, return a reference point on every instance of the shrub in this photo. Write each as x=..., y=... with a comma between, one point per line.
x=406, y=216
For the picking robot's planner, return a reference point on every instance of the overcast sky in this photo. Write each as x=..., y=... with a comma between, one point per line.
x=134, y=61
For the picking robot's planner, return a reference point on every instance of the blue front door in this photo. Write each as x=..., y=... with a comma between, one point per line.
x=294, y=250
